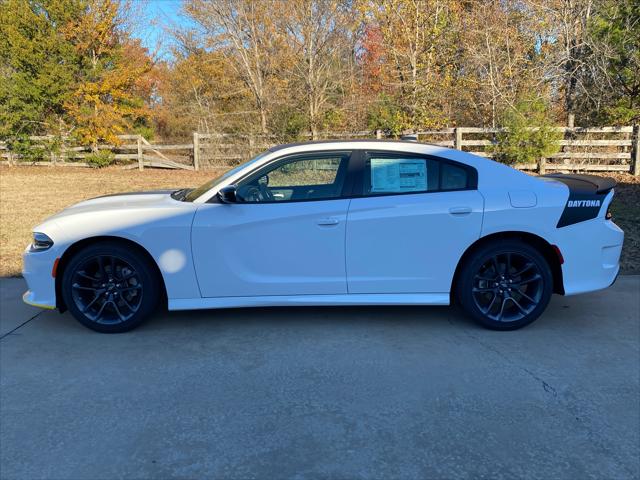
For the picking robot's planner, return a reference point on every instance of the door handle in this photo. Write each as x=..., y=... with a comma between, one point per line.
x=328, y=221
x=460, y=210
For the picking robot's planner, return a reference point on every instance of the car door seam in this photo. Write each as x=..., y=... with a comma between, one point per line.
x=346, y=226
x=193, y=258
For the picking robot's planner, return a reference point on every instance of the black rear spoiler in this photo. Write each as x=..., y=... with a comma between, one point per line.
x=584, y=184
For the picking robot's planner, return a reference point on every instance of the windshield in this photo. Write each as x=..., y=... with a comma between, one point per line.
x=196, y=192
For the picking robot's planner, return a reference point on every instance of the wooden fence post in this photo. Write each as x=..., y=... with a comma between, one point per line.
x=251, y=147
x=635, y=166
x=140, y=155
x=378, y=134
x=196, y=151
x=542, y=166
x=457, y=142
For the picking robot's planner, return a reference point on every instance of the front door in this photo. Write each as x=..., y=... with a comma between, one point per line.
x=284, y=236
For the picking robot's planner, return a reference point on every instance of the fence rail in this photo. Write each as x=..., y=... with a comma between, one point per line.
x=599, y=149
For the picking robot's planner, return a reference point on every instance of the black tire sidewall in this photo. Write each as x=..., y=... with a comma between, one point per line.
x=478, y=258
x=146, y=273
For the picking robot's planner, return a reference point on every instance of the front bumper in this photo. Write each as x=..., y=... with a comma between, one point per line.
x=30, y=299
x=37, y=271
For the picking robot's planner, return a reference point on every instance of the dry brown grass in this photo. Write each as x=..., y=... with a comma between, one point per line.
x=28, y=195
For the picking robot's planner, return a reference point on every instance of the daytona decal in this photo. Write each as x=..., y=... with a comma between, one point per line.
x=581, y=207
x=583, y=203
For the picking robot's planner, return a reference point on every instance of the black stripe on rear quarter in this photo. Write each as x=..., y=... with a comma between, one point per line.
x=581, y=207
x=586, y=196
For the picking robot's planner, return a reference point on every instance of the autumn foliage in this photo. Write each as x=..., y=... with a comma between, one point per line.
x=74, y=67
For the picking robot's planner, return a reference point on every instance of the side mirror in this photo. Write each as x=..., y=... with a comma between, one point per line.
x=228, y=194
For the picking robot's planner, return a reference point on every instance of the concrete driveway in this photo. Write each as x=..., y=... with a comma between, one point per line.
x=324, y=393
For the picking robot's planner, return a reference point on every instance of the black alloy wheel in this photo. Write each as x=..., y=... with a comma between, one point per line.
x=107, y=289
x=508, y=287
x=110, y=287
x=505, y=286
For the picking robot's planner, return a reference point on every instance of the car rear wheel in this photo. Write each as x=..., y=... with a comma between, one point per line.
x=505, y=285
x=110, y=288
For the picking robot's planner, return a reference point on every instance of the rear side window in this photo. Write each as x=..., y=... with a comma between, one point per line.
x=390, y=173
x=453, y=177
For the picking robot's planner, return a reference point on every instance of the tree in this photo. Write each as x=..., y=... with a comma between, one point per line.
x=69, y=67
x=200, y=91
x=613, y=78
x=244, y=31
x=37, y=65
x=318, y=32
x=529, y=133
x=502, y=60
x=419, y=38
x=106, y=100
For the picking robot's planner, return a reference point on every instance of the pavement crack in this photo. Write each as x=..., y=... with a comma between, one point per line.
x=566, y=400
x=547, y=387
x=21, y=325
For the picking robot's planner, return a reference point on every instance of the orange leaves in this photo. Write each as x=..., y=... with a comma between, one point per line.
x=112, y=83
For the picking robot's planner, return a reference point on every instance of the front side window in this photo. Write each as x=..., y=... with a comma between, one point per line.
x=317, y=176
x=390, y=173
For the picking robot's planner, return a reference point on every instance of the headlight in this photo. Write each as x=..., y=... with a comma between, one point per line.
x=40, y=242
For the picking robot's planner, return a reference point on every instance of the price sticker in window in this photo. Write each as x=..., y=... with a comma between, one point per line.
x=398, y=175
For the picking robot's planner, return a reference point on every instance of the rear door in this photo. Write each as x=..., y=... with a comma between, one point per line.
x=413, y=221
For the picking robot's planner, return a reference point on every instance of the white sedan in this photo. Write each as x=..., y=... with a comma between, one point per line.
x=333, y=223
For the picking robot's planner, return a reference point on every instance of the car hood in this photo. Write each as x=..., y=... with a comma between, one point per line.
x=120, y=201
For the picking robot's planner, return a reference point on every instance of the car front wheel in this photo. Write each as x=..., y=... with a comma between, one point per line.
x=505, y=285
x=109, y=287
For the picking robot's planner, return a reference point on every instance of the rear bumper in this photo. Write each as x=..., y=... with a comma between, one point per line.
x=591, y=251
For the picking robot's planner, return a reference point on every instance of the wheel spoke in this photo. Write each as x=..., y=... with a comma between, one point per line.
x=101, y=267
x=132, y=287
x=525, y=269
x=128, y=305
x=529, y=280
x=83, y=274
x=80, y=287
x=90, y=304
x=518, y=305
x=483, y=290
x=526, y=296
x=501, y=313
x=508, y=267
x=127, y=276
x=491, y=304
x=496, y=267
x=485, y=279
x=100, y=310
x=115, y=306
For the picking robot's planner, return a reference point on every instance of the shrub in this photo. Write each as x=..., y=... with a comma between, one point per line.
x=25, y=149
x=100, y=159
x=388, y=116
x=528, y=136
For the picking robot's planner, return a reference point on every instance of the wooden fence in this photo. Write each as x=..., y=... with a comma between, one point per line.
x=609, y=149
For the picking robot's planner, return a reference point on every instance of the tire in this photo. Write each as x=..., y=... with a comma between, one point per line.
x=505, y=285
x=110, y=287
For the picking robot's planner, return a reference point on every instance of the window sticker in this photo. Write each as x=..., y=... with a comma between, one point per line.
x=398, y=175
